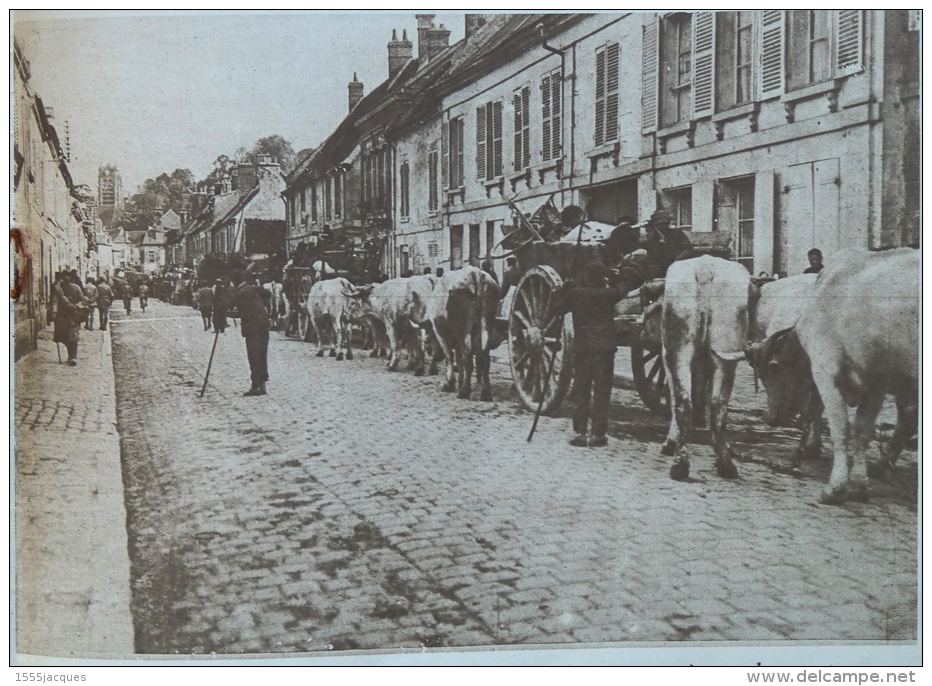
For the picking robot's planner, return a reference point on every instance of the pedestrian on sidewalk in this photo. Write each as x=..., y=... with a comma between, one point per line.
x=70, y=311
x=90, y=295
x=205, y=299
x=220, y=299
x=593, y=306
x=254, y=324
x=127, y=294
x=104, y=301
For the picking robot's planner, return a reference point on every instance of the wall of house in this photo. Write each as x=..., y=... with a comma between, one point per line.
x=51, y=237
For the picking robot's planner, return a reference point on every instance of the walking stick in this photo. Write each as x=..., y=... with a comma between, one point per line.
x=58, y=348
x=553, y=359
x=210, y=362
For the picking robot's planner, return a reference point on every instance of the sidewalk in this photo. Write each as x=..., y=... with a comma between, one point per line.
x=72, y=562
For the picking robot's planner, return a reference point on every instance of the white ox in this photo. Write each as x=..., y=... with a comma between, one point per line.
x=401, y=307
x=704, y=330
x=778, y=359
x=330, y=305
x=462, y=313
x=860, y=335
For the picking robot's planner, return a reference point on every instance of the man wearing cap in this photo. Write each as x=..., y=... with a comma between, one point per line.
x=254, y=325
x=90, y=295
x=592, y=304
x=70, y=310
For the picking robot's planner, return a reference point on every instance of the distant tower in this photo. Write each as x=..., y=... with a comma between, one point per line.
x=109, y=188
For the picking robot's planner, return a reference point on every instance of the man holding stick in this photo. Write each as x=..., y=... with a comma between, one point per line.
x=254, y=317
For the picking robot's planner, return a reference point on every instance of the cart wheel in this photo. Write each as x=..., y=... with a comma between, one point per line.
x=512, y=243
x=304, y=317
x=650, y=378
x=532, y=341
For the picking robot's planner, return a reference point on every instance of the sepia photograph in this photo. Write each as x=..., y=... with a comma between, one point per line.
x=435, y=338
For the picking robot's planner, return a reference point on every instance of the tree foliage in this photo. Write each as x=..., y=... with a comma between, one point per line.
x=157, y=196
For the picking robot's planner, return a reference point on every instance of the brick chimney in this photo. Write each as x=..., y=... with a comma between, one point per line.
x=399, y=52
x=474, y=22
x=245, y=176
x=270, y=175
x=425, y=22
x=437, y=40
x=356, y=90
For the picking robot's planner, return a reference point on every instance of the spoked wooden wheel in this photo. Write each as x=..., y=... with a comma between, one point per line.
x=650, y=378
x=304, y=316
x=535, y=337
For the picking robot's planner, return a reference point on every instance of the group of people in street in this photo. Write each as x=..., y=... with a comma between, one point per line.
x=72, y=303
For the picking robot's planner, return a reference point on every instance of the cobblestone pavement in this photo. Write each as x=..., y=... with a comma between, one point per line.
x=357, y=508
x=72, y=566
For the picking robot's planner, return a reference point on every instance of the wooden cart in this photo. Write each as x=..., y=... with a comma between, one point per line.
x=534, y=337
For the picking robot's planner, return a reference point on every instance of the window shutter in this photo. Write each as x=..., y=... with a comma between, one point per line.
x=650, y=58
x=772, y=53
x=497, y=138
x=480, y=142
x=519, y=132
x=556, y=124
x=703, y=63
x=612, y=59
x=526, y=110
x=545, y=116
x=445, y=154
x=460, y=164
x=849, y=32
x=599, y=98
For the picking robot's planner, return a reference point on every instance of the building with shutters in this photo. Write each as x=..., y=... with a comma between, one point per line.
x=786, y=130
x=51, y=224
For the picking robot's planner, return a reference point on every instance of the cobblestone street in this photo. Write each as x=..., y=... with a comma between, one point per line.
x=353, y=508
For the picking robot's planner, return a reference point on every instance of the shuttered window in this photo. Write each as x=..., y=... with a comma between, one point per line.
x=850, y=38
x=489, y=140
x=772, y=53
x=522, y=106
x=650, y=58
x=404, y=179
x=823, y=44
x=676, y=69
x=607, y=62
x=456, y=140
x=337, y=196
x=328, y=187
x=445, y=154
x=314, y=202
x=551, y=93
x=703, y=63
x=432, y=195
x=734, y=50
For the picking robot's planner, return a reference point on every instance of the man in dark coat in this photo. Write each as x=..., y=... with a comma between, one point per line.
x=70, y=311
x=254, y=324
x=104, y=301
x=665, y=244
x=90, y=295
x=220, y=302
x=592, y=303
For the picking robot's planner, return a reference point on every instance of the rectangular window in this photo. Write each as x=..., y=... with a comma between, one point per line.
x=489, y=237
x=456, y=246
x=734, y=48
x=551, y=93
x=522, y=103
x=457, y=170
x=405, y=198
x=303, y=195
x=432, y=195
x=313, y=202
x=607, y=61
x=681, y=207
x=734, y=214
x=474, y=247
x=809, y=56
x=676, y=69
x=489, y=140
x=433, y=250
x=337, y=196
x=294, y=217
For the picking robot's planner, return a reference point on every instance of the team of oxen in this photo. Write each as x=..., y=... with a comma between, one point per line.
x=846, y=338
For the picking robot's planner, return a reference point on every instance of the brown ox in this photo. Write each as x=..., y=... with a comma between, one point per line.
x=462, y=313
x=704, y=330
x=859, y=333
